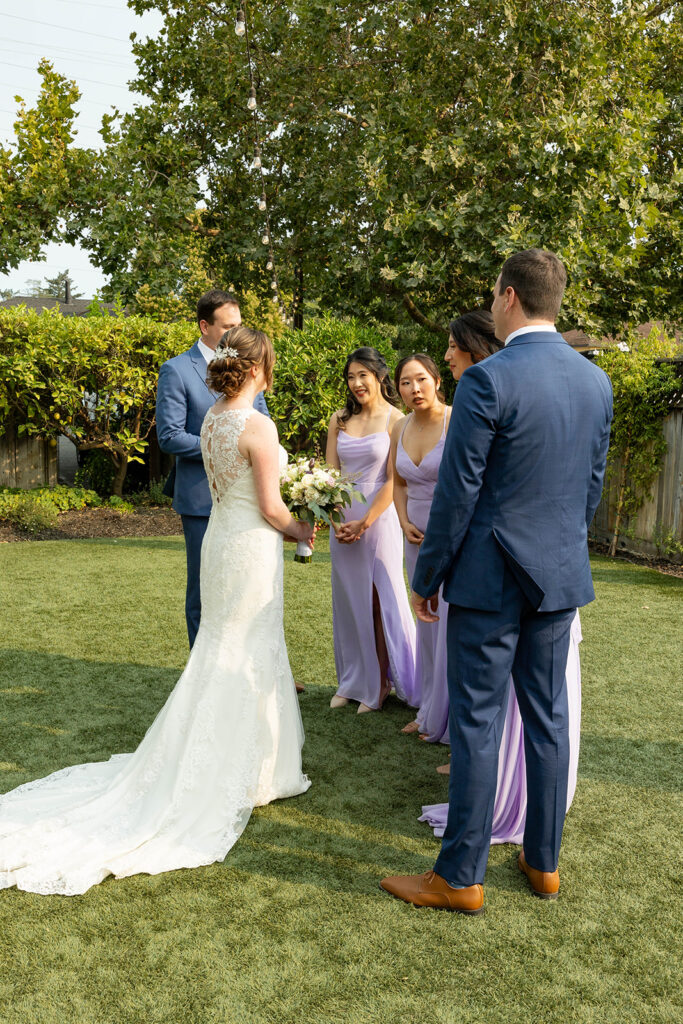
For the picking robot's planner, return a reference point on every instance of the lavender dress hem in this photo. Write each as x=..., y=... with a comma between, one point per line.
x=509, y=812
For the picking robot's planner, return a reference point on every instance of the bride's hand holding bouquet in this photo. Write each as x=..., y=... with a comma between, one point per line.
x=315, y=492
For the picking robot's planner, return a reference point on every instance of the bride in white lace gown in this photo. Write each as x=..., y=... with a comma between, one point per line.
x=229, y=737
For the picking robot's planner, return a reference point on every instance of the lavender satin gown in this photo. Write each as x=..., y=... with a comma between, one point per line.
x=375, y=560
x=430, y=655
x=509, y=810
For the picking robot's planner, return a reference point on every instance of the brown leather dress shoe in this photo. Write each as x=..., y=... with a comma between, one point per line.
x=431, y=890
x=299, y=687
x=545, y=884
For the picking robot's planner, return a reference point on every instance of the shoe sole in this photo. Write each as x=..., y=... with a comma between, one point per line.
x=423, y=906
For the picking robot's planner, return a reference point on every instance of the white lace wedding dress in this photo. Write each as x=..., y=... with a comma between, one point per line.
x=228, y=738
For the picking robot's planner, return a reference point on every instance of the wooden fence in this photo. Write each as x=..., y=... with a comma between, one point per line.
x=662, y=516
x=26, y=461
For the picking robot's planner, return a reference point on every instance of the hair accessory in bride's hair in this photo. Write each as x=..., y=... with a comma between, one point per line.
x=227, y=352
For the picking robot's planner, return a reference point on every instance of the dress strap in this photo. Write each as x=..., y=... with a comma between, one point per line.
x=445, y=411
x=386, y=425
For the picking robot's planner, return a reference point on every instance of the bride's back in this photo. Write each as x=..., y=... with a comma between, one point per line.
x=229, y=473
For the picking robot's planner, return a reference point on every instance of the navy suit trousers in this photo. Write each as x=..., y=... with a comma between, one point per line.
x=194, y=528
x=484, y=648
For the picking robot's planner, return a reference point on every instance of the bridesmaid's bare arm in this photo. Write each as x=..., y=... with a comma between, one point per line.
x=331, y=456
x=412, y=534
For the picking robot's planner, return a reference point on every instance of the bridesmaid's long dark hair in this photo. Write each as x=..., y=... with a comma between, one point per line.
x=473, y=332
x=373, y=361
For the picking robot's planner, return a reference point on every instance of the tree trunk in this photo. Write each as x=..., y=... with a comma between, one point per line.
x=298, y=318
x=621, y=491
x=121, y=467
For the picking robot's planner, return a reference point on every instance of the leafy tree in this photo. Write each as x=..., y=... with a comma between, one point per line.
x=91, y=379
x=40, y=175
x=643, y=390
x=54, y=286
x=408, y=150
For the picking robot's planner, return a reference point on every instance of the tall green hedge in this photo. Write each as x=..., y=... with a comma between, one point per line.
x=308, y=384
x=92, y=379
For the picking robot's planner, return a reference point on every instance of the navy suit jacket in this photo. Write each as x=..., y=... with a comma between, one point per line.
x=520, y=479
x=183, y=399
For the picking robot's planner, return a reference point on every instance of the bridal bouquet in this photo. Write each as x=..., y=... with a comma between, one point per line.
x=315, y=492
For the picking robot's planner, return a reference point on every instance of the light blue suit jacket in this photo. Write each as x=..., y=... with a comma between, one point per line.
x=520, y=479
x=183, y=399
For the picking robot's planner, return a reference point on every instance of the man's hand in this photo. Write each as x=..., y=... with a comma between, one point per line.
x=422, y=606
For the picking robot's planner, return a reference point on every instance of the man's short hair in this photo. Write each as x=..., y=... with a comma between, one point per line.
x=539, y=279
x=209, y=303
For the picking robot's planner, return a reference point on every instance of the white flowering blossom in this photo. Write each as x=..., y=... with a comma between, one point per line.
x=315, y=491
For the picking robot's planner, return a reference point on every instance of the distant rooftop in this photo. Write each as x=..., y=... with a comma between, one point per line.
x=75, y=307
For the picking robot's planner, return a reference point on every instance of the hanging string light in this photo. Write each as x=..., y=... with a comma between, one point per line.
x=242, y=29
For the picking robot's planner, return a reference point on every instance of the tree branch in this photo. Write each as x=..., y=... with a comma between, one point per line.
x=421, y=319
x=658, y=9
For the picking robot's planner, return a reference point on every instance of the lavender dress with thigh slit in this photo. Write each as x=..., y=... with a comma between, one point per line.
x=430, y=655
x=374, y=561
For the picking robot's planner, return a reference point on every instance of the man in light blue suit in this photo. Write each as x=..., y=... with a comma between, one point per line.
x=183, y=398
x=519, y=483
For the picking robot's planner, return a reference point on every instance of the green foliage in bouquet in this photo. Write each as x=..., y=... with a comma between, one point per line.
x=316, y=492
x=308, y=384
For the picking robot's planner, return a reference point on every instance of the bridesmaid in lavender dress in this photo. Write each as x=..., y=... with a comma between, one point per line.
x=416, y=447
x=374, y=632
x=472, y=338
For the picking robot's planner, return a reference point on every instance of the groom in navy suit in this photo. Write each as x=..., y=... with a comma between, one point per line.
x=183, y=398
x=518, y=486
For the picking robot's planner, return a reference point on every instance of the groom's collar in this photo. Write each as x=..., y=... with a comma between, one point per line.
x=545, y=328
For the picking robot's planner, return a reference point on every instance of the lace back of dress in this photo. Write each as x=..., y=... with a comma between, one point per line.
x=223, y=461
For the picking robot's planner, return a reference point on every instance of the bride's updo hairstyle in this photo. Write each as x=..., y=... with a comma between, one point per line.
x=239, y=349
x=373, y=361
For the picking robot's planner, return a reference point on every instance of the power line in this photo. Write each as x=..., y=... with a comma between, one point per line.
x=90, y=127
x=84, y=3
x=83, y=58
x=65, y=28
x=92, y=81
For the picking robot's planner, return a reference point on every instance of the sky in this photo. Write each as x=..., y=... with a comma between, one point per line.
x=88, y=42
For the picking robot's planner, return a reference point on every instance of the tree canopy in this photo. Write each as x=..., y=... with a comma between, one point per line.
x=40, y=174
x=407, y=150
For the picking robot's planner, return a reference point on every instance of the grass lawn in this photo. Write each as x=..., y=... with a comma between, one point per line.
x=292, y=926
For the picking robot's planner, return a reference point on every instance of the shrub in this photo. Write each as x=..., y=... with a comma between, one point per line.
x=308, y=383
x=28, y=512
x=37, y=509
x=95, y=472
x=151, y=497
x=120, y=505
x=92, y=379
x=643, y=391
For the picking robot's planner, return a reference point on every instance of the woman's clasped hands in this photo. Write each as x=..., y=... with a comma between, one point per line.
x=349, y=532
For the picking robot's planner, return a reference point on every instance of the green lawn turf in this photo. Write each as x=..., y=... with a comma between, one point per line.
x=292, y=926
